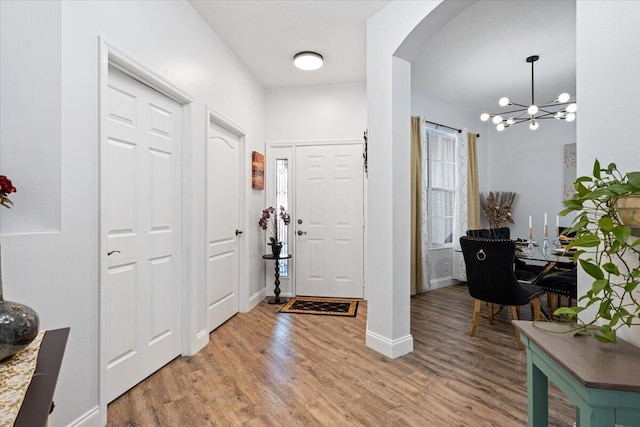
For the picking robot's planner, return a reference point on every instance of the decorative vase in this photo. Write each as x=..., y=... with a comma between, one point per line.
x=19, y=324
x=276, y=248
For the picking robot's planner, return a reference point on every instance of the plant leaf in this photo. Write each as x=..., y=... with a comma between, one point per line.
x=606, y=223
x=634, y=179
x=611, y=268
x=591, y=269
x=585, y=241
x=573, y=204
x=599, y=285
x=596, y=169
x=630, y=287
x=622, y=233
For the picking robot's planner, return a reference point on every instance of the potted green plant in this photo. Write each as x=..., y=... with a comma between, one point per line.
x=606, y=249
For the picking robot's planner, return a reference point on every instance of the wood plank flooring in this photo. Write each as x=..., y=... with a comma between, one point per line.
x=263, y=368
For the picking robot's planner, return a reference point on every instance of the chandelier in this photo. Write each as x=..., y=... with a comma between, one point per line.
x=560, y=108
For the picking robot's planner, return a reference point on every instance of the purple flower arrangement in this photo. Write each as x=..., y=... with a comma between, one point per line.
x=270, y=215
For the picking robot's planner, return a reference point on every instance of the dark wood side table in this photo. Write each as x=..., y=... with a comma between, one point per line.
x=603, y=380
x=38, y=401
x=276, y=291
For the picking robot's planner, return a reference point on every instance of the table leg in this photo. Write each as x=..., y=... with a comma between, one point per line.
x=538, y=395
x=276, y=291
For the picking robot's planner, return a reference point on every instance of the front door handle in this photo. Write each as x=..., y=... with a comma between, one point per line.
x=238, y=232
x=300, y=232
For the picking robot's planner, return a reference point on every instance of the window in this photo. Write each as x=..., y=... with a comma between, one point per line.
x=282, y=199
x=439, y=160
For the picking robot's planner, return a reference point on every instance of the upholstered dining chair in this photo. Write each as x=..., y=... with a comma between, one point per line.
x=491, y=279
x=482, y=233
x=500, y=233
x=558, y=285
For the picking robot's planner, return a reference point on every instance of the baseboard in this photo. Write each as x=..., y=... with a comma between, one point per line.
x=442, y=282
x=90, y=419
x=256, y=298
x=390, y=348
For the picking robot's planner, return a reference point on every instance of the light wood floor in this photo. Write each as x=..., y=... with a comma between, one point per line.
x=263, y=368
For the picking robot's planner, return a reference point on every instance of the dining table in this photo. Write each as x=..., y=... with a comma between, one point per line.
x=552, y=258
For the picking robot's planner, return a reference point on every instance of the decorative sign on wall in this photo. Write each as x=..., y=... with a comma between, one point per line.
x=257, y=170
x=569, y=170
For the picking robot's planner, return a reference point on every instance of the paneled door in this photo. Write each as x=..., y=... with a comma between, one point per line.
x=329, y=221
x=140, y=232
x=223, y=170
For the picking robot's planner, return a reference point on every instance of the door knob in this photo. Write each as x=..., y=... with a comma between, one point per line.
x=238, y=232
x=300, y=232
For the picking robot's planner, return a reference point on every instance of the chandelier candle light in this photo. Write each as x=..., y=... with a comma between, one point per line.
x=561, y=108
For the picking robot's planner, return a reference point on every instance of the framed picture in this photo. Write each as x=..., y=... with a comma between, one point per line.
x=257, y=170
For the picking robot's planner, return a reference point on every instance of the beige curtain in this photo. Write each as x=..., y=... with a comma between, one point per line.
x=473, y=221
x=416, y=207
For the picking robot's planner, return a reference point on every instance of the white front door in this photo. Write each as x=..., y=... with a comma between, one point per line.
x=140, y=232
x=223, y=170
x=329, y=221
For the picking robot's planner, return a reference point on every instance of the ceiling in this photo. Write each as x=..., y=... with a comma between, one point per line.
x=478, y=57
x=266, y=34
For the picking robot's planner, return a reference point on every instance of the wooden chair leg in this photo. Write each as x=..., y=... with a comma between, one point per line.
x=476, y=316
x=553, y=302
x=490, y=312
x=514, y=315
x=537, y=313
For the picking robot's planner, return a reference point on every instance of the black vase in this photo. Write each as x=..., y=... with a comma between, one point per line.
x=276, y=248
x=19, y=325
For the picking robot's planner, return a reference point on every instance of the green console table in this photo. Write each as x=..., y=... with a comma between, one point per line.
x=603, y=380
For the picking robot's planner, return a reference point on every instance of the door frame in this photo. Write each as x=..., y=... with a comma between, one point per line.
x=110, y=55
x=270, y=197
x=213, y=116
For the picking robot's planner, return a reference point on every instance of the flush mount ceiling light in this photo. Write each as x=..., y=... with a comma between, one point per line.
x=308, y=61
x=560, y=108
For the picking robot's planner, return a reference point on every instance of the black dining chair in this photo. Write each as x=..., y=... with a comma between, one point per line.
x=500, y=233
x=524, y=271
x=558, y=285
x=491, y=279
x=482, y=233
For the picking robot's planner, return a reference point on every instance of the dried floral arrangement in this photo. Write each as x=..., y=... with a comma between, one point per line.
x=497, y=206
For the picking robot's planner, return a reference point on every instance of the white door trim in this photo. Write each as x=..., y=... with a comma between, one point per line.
x=110, y=55
x=270, y=182
x=298, y=143
x=243, y=247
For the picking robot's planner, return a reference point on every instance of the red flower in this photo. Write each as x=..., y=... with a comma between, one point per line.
x=6, y=187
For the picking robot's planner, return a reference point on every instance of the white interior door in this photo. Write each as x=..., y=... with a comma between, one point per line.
x=329, y=221
x=223, y=166
x=140, y=226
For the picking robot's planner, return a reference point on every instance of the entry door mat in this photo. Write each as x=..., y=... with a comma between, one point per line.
x=326, y=306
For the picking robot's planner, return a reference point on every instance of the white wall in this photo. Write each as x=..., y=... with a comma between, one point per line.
x=387, y=262
x=316, y=113
x=30, y=113
x=531, y=163
x=57, y=273
x=607, y=74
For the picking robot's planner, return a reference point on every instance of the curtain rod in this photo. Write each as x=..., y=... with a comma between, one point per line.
x=448, y=127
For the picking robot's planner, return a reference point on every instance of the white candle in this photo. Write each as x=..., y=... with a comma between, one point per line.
x=529, y=221
x=557, y=221
x=545, y=219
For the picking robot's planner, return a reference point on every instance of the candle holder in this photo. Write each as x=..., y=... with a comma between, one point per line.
x=556, y=242
x=530, y=248
x=546, y=247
